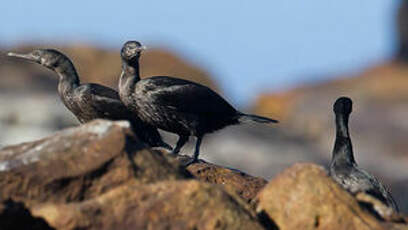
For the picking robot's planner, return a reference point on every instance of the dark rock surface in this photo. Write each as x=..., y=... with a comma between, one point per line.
x=14, y=216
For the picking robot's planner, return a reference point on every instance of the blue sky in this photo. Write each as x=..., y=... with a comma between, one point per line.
x=248, y=46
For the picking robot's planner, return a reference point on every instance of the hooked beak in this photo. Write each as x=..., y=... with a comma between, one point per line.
x=137, y=51
x=29, y=57
x=142, y=48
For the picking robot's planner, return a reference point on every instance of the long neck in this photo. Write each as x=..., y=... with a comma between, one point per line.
x=68, y=77
x=129, y=77
x=343, y=149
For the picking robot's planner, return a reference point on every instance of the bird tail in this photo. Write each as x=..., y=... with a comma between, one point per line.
x=246, y=118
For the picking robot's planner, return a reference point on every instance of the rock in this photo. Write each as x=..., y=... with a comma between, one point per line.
x=99, y=176
x=304, y=197
x=81, y=163
x=14, y=215
x=242, y=184
x=163, y=205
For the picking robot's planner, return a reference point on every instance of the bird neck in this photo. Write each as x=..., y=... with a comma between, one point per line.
x=129, y=77
x=343, y=149
x=68, y=77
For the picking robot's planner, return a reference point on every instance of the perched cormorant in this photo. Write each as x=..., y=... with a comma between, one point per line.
x=90, y=101
x=175, y=105
x=344, y=169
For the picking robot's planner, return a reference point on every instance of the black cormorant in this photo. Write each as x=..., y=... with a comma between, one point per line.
x=90, y=101
x=344, y=169
x=175, y=105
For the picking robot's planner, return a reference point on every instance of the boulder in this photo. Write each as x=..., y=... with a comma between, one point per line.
x=100, y=176
x=180, y=205
x=242, y=184
x=81, y=163
x=304, y=197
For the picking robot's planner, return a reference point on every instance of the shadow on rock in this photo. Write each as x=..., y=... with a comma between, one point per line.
x=14, y=216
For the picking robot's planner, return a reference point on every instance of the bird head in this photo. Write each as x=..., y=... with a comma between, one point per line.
x=343, y=105
x=49, y=58
x=131, y=50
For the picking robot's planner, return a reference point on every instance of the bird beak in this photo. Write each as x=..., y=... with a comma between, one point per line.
x=142, y=48
x=29, y=57
x=137, y=51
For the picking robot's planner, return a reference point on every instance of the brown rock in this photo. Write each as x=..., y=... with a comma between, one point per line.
x=242, y=184
x=80, y=163
x=304, y=197
x=98, y=176
x=163, y=205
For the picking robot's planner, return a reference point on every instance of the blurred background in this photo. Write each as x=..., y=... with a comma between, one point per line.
x=288, y=60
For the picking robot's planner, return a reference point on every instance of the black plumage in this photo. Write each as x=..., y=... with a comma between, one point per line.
x=90, y=101
x=343, y=167
x=175, y=105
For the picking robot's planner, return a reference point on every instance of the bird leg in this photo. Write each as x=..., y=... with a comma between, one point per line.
x=165, y=146
x=196, y=152
x=197, y=148
x=180, y=143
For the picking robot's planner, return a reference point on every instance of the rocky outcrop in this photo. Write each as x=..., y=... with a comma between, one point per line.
x=99, y=176
x=304, y=197
x=242, y=184
x=163, y=205
x=81, y=163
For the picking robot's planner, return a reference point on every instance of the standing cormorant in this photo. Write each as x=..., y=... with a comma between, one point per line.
x=344, y=169
x=175, y=105
x=90, y=101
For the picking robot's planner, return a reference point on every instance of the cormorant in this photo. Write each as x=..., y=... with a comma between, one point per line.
x=90, y=101
x=175, y=105
x=343, y=167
